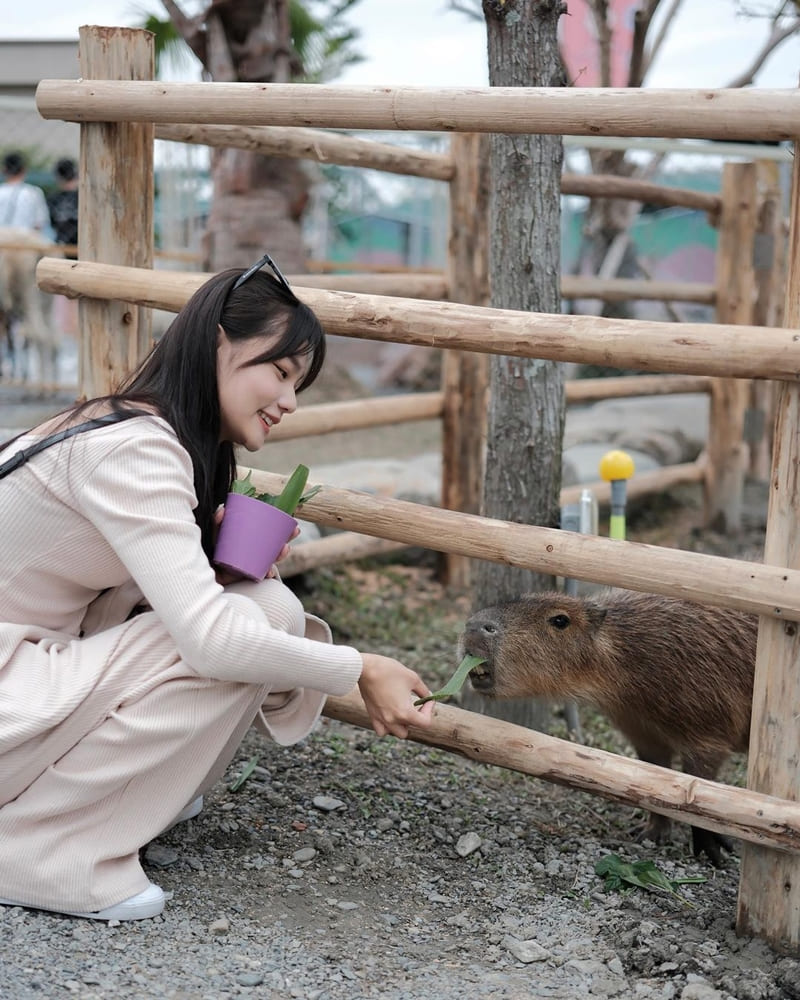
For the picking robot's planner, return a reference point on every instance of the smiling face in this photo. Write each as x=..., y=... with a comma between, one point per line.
x=254, y=397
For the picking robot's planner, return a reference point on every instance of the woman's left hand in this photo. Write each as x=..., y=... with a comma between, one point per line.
x=284, y=552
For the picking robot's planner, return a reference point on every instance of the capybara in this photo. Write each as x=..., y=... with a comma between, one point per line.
x=674, y=676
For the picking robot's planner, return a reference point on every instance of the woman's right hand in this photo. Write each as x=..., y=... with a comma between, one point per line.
x=389, y=690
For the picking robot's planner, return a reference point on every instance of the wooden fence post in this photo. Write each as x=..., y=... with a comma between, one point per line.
x=464, y=374
x=115, y=209
x=769, y=887
x=769, y=266
x=727, y=450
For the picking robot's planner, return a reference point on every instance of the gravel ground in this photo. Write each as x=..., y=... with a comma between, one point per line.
x=353, y=867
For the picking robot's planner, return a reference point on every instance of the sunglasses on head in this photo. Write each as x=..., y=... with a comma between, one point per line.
x=266, y=259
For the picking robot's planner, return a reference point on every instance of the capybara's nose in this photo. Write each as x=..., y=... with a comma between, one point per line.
x=483, y=626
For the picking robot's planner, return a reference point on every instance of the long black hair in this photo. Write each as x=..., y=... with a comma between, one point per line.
x=179, y=376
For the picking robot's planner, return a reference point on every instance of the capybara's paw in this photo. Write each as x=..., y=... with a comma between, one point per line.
x=657, y=828
x=711, y=844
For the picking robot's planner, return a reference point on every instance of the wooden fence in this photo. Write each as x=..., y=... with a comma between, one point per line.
x=119, y=114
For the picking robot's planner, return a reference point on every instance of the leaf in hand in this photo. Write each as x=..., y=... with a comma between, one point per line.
x=456, y=682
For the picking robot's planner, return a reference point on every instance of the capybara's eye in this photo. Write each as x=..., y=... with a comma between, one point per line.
x=559, y=621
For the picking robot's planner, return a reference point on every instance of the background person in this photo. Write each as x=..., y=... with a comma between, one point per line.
x=22, y=205
x=63, y=205
x=63, y=208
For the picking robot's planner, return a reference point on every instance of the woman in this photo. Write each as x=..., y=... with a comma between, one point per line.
x=113, y=719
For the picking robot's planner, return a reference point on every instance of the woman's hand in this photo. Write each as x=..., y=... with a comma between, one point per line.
x=389, y=690
x=284, y=552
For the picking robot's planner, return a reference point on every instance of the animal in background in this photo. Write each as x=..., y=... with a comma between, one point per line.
x=675, y=677
x=26, y=312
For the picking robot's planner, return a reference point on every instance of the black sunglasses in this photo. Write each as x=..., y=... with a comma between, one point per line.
x=266, y=259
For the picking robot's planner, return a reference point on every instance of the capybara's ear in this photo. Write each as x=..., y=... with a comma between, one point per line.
x=595, y=615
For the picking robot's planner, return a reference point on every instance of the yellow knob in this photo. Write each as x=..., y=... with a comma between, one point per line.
x=616, y=465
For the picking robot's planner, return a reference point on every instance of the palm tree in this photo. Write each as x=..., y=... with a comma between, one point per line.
x=259, y=200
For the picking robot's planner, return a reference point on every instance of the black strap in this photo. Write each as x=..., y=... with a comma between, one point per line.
x=21, y=457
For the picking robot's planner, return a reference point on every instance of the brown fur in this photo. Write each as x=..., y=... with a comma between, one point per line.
x=674, y=676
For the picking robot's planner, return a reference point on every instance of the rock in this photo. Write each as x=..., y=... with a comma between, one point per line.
x=249, y=979
x=159, y=856
x=467, y=844
x=326, y=803
x=525, y=951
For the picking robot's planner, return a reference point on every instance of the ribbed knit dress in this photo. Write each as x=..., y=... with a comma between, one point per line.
x=110, y=725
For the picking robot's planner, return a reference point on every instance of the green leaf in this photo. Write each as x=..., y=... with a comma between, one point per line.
x=619, y=874
x=289, y=499
x=456, y=682
x=247, y=770
x=243, y=486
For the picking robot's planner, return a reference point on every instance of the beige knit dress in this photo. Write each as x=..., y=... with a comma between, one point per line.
x=110, y=726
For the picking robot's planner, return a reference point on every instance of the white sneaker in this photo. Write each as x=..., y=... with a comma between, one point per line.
x=147, y=903
x=188, y=812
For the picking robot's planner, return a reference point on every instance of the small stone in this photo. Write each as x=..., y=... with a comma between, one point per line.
x=249, y=979
x=326, y=803
x=219, y=926
x=525, y=951
x=160, y=856
x=344, y=904
x=467, y=843
x=700, y=991
x=304, y=854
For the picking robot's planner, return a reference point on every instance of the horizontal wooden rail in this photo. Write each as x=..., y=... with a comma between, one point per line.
x=326, y=147
x=316, y=266
x=686, y=348
x=377, y=411
x=734, y=812
x=643, y=484
x=407, y=285
x=746, y=113
x=629, y=289
x=317, y=145
x=586, y=390
x=333, y=550
x=755, y=587
x=436, y=287
x=632, y=189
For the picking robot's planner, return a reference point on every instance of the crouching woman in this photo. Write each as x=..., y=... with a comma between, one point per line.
x=113, y=720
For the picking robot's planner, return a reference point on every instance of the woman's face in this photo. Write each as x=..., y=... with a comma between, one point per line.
x=254, y=398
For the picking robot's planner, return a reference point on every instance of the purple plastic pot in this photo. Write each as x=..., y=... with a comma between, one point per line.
x=251, y=536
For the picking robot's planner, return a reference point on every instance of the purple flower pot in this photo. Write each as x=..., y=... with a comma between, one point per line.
x=251, y=536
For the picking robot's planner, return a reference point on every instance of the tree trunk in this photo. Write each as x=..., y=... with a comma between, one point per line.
x=258, y=200
x=522, y=478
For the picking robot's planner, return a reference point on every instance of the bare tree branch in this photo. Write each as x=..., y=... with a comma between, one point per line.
x=189, y=28
x=641, y=25
x=651, y=52
x=472, y=10
x=599, y=9
x=777, y=35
